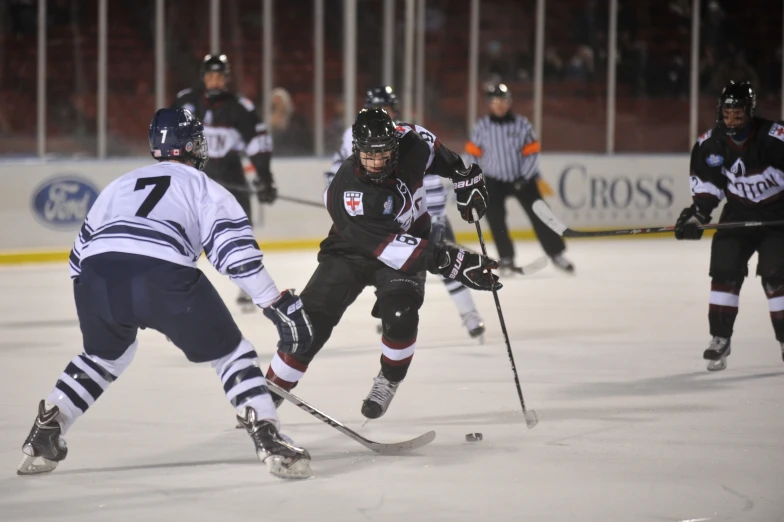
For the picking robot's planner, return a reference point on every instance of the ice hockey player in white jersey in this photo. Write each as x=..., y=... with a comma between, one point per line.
x=134, y=266
x=435, y=200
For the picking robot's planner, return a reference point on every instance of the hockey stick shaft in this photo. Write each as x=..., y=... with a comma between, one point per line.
x=532, y=420
x=241, y=188
x=378, y=447
x=544, y=213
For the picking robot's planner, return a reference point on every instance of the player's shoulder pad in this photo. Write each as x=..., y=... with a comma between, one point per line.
x=245, y=102
x=774, y=129
x=705, y=137
x=184, y=92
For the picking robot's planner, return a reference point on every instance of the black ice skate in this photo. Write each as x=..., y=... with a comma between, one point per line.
x=376, y=403
x=245, y=303
x=475, y=326
x=782, y=351
x=562, y=263
x=278, y=452
x=506, y=267
x=277, y=400
x=717, y=353
x=44, y=444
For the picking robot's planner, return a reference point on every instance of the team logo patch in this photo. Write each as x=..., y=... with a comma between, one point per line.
x=353, y=203
x=714, y=160
x=189, y=146
x=704, y=137
x=389, y=206
x=156, y=153
x=777, y=131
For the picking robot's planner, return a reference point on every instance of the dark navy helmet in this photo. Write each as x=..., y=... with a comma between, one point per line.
x=736, y=96
x=498, y=90
x=382, y=97
x=375, y=146
x=215, y=63
x=176, y=134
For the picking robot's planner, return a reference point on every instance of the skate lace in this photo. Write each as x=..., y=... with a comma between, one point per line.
x=382, y=391
x=717, y=344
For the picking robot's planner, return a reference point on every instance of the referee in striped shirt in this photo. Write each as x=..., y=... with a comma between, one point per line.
x=504, y=144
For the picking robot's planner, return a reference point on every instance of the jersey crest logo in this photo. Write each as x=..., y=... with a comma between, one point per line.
x=704, y=137
x=714, y=160
x=777, y=131
x=738, y=167
x=389, y=206
x=353, y=203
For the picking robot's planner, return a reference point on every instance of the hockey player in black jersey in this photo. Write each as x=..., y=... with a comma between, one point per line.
x=742, y=159
x=436, y=197
x=232, y=128
x=379, y=237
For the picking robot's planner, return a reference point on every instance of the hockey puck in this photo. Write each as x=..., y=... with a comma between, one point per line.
x=473, y=437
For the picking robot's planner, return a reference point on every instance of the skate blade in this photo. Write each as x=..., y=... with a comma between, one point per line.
x=717, y=366
x=29, y=466
x=247, y=308
x=282, y=468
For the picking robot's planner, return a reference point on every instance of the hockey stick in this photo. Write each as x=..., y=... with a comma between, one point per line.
x=544, y=213
x=241, y=188
x=394, y=448
x=531, y=419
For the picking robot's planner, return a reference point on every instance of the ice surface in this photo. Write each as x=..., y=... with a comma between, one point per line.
x=632, y=427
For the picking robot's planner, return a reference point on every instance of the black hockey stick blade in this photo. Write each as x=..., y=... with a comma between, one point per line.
x=544, y=213
x=392, y=448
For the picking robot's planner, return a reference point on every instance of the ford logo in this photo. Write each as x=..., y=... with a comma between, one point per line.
x=64, y=202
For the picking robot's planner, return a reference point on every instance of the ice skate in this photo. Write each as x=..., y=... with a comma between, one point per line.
x=782, y=351
x=717, y=353
x=475, y=326
x=562, y=263
x=44, y=447
x=245, y=303
x=278, y=452
x=506, y=267
x=277, y=400
x=376, y=403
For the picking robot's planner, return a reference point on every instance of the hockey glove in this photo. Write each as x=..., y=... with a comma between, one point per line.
x=469, y=268
x=266, y=191
x=471, y=193
x=690, y=218
x=294, y=326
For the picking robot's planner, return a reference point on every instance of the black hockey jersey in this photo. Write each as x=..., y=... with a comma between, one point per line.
x=750, y=175
x=231, y=126
x=388, y=221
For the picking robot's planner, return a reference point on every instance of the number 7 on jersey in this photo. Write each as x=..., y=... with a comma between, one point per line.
x=161, y=185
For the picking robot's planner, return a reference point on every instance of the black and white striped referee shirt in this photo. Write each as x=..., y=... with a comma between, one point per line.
x=506, y=148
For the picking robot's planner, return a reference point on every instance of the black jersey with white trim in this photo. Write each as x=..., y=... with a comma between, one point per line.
x=387, y=221
x=231, y=126
x=750, y=174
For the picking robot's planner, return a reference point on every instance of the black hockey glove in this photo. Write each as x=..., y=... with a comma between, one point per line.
x=690, y=218
x=469, y=268
x=471, y=193
x=294, y=326
x=266, y=191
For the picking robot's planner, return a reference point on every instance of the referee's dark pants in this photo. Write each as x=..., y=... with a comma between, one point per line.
x=526, y=193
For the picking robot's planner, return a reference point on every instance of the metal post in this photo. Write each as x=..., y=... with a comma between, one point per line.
x=612, y=42
x=420, y=63
x=695, y=72
x=160, y=55
x=103, y=9
x=349, y=61
x=214, y=26
x=41, y=80
x=408, y=61
x=539, y=67
x=266, y=58
x=388, y=66
x=318, y=76
x=473, y=65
